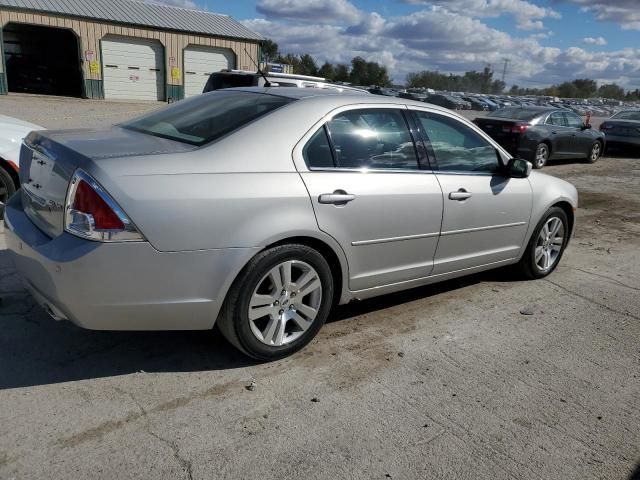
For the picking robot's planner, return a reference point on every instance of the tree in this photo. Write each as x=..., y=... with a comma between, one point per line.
x=269, y=50
x=327, y=71
x=611, y=91
x=498, y=86
x=514, y=90
x=568, y=90
x=341, y=73
x=585, y=87
x=307, y=66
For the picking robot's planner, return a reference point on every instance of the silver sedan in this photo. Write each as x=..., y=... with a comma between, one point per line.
x=260, y=209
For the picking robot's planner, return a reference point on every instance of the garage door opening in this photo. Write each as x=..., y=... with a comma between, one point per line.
x=43, y=60
x=200, y=62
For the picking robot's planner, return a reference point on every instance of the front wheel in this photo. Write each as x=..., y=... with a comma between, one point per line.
x=547, y=245
x=594, y=153
x=278, y=303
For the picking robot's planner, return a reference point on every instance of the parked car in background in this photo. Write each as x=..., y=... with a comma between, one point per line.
x=476, y=104
x=259, y=209
x=447, y=101
x=622, y=129
x=12, y=131
x=242, y=78
x=541, y=134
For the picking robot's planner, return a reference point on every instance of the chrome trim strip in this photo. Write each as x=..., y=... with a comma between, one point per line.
x=394, y=239
x=482, y=229
x=370, y=170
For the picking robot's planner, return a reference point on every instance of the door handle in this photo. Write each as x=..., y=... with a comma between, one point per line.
x=460, y=195
x=339, y=197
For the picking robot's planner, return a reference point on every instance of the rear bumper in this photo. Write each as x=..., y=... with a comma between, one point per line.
x=120, y=286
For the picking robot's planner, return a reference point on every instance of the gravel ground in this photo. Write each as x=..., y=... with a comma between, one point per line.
x=449, y=381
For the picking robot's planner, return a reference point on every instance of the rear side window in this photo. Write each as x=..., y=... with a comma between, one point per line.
x=317, y=152
x=557, y=118
x=372, y=138
x=205, y=118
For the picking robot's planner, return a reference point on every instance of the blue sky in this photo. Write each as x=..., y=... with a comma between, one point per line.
x=547, y=41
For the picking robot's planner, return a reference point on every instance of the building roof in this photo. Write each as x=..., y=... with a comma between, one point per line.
x=137, y=12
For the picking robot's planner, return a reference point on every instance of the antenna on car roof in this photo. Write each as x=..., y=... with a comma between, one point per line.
x=267, y=83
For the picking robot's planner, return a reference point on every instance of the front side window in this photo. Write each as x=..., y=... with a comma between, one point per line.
x=205, y=118
x=457, y=147
x=573, y=120
x=373, y=139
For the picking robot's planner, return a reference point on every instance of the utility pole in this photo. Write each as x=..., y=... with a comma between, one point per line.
x=504, y=71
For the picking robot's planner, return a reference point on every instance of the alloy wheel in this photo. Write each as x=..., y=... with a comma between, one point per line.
x=595, y=152
x=285, y=303
x=549, y=244
x=542, y=155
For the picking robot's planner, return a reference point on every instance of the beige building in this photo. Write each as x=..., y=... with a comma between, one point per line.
x=117, y=49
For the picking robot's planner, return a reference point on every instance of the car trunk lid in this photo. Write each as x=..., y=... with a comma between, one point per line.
x=506, y=132
x=49, y=159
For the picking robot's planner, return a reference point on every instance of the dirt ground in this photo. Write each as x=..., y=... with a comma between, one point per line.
x=448, y=381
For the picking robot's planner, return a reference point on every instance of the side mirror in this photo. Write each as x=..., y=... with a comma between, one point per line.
x=519, y=168
x=586, y=126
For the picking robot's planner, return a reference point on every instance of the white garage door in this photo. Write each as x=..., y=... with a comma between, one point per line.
x=133, y=69
x=200, y=62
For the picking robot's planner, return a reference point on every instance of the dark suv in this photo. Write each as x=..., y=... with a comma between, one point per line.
x=540, y=134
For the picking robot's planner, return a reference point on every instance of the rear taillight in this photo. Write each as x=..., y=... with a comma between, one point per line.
x=520, y=128
x=91, y=213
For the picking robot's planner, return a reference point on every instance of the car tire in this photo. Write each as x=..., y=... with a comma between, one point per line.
x=594, y=153
x=540, y=155
x=269, y=317
x=545, y=251
x=7, y=187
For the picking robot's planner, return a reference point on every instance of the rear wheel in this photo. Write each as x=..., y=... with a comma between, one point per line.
x=7, y=187
x=541, y=155
x=547, y=245
x=594, y=153
x=278, y=303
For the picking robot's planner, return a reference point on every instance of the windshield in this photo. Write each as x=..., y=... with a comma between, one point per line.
x=627, y=116
x=207, y=117
x=515, y=114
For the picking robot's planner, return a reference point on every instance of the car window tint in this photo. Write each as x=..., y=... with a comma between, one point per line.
x=573, y=120
x=457, y=147
x=317, y=151
x=372, y=138
x=557, y=119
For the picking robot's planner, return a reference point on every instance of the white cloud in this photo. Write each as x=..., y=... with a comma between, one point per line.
x=327, y=11
x=623, y=12
x=528, y=16
x=438, y=39
x=594, y=41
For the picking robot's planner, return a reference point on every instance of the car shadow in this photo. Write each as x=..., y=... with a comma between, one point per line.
x=36, y=350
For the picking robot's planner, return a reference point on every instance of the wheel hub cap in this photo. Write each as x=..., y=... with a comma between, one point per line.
x=285, y=303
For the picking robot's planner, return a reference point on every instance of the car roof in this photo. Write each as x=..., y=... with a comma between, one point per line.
x=345, y=98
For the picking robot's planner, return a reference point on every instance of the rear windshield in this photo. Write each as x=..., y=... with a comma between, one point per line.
x=515, y=113
x=207, y=117
x=218, y=81
x=627, y=116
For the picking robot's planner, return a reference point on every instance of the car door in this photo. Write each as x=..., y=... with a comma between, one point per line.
x=486, y=215
x=581, y=139
x=370, y=193
x=560, y=135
